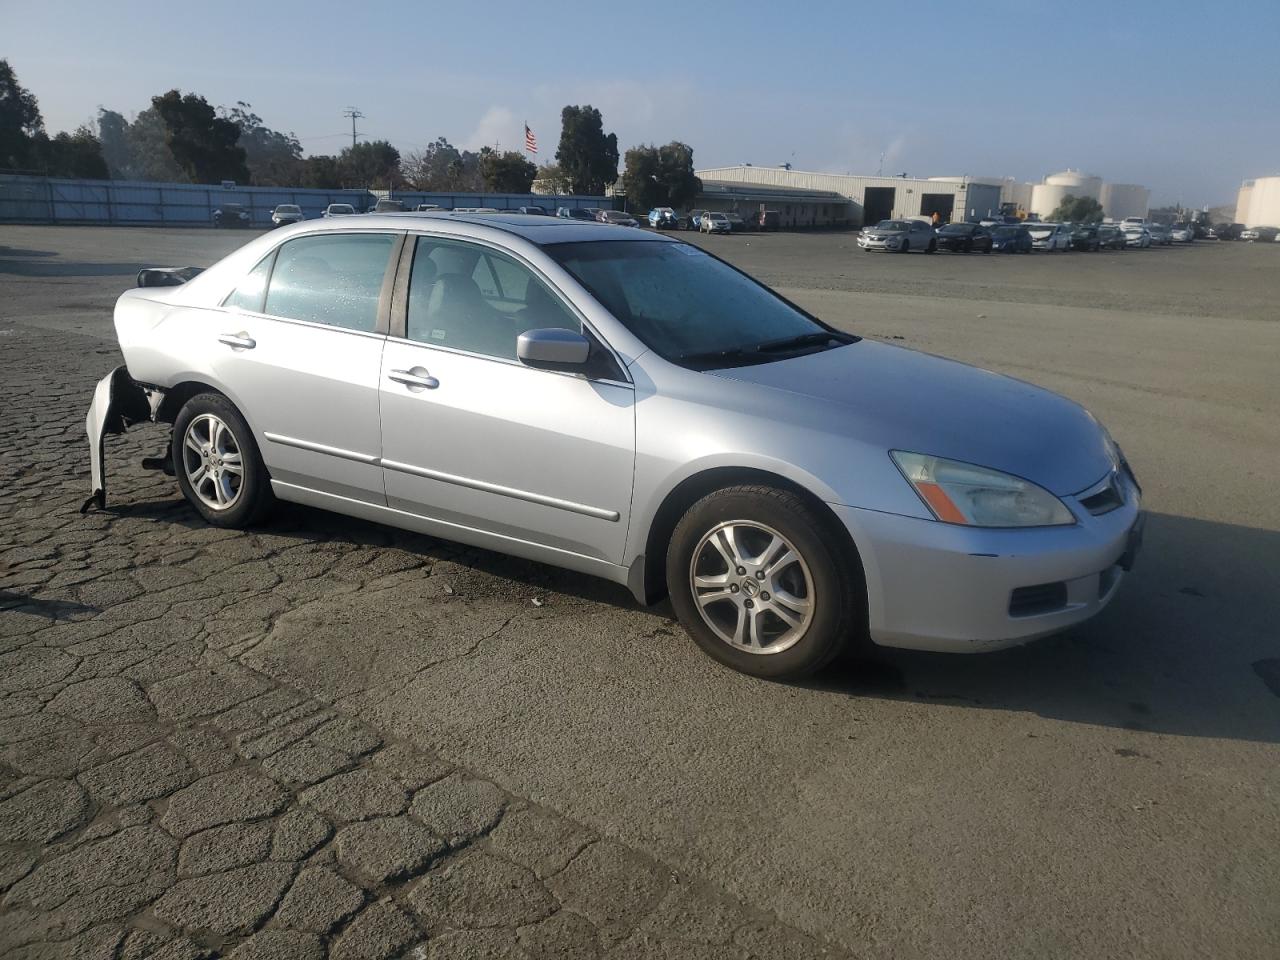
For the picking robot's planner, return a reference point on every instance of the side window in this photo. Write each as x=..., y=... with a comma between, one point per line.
x=334, y=279
x=248, y=295
x=470, y=298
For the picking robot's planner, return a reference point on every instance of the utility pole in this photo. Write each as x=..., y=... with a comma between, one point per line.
x=352, y=112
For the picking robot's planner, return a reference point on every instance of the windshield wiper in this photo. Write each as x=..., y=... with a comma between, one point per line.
x=801, y=340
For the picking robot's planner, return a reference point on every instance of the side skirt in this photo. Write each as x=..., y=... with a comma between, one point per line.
x=450, y=531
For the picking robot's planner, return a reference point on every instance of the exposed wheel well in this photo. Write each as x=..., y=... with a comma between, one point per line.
x=692, y=489
x=176, y=397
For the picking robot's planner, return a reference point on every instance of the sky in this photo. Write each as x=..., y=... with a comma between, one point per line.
x=1179, y=96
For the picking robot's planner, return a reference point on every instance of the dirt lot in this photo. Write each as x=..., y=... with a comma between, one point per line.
x=328, y=735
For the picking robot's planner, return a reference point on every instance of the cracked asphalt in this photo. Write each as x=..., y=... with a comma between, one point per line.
x=330, y=738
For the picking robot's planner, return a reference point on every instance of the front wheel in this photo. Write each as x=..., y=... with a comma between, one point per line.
x=761, y=585
x=906, y=247
x=217, y=463
x=932, y=247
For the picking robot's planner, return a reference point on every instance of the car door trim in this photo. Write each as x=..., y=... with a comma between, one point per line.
x=599, y=513
x=314, y=447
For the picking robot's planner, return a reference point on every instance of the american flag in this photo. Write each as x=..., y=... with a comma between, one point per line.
x=530, y=141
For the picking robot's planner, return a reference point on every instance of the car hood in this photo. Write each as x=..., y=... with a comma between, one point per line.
x=901, y=399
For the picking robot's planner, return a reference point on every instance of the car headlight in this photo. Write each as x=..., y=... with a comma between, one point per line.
x=962, y=493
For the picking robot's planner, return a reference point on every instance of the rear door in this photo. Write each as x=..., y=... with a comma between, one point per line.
x=298, y=346
x=472, y=437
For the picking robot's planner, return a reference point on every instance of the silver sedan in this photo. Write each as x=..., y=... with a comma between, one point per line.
x=626, y=405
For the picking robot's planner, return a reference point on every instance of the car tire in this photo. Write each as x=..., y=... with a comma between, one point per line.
x=746, y=520
x=932, y=247
x=906, y=247
x=210, y=440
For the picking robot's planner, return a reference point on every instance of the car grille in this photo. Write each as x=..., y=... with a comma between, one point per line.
x=1038, y=599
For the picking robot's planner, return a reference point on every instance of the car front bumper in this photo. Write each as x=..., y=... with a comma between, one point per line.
x=875, y=243
x=949, y=588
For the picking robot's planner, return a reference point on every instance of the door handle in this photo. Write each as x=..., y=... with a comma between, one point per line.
x=241, y=341
x=415, y=379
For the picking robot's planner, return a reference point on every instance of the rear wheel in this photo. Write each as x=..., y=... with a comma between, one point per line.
x=759, y=584
x=932, y=247
x=217, y=463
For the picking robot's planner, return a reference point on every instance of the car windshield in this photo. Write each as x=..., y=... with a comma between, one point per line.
x=958, y=228
x=288, y=208
x=1042, y=229
x=690, y=307
x=341, y=208
x=717, y=216
x=892, y=225
x=1006, y=231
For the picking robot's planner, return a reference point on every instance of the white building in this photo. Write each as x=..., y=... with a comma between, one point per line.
x=1258, y=203
x=876, y=198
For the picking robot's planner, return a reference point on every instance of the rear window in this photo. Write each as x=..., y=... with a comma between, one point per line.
x=335, y=280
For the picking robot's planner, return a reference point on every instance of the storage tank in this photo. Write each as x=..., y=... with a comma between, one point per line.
x=1242, y=201
x=1120, y=200
x=1046, y=196
x=1264, y=204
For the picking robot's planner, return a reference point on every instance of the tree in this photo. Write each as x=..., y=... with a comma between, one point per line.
x=137, y=150
x=372, y=164
x=77, y=155
x=203, y=143
x=587, y=155
x=551, y=177
x=660, y=176
x=20, y=119
x=442, y=167
x=507, y=172
x=320, y=173
x=1074, y=209
x=273, y=158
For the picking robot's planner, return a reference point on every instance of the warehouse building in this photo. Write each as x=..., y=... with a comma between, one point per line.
x=872, y=199
x=795, y=206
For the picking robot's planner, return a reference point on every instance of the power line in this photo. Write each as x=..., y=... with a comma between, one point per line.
x=353, y=113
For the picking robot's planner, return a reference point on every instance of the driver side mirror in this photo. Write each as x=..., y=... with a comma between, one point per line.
x=553, y=348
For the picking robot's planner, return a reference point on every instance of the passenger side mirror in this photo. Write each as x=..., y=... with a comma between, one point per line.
x=553, y=348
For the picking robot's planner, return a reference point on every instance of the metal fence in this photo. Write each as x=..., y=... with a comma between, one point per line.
x=27, y=199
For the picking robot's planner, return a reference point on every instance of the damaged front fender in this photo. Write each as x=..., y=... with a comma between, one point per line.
x=118, y=402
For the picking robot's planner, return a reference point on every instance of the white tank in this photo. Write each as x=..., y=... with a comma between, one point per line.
x=1076, y=183
x=1242, y=201
x=1263, y=203
x=1120, y=200
x=1045, y=198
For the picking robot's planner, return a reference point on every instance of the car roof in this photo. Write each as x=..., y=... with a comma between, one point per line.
x=535, y=228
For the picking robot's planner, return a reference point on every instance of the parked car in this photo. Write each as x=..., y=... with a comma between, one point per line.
x=663, y=218
x=714, y=222
x=899, y=236
x=658, y=419
x=618, y=218
x=768, y=220
x=1008, y=238
x=285, y=213
x=1138, y=237
x=1265, y=234
x=534, y=209
x=736, y=223
x=1133, y=222
x=385, y=205
x=1183, y=233
x=1161, y=235
x=1050, y=236
x=964, y=238
x=338, y=210
x=428, y=207
x=1085, y=237
x=1110, y=237
x=575, y=213
x=693, y=219
x=232, y=215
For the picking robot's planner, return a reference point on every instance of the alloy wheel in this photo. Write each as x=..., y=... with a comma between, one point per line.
x=752, y=587
x=212, y=462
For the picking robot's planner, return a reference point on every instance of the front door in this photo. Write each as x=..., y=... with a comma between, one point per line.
x=470, y=436
x=299, y=347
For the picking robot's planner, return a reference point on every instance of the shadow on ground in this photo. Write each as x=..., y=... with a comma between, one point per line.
x=1186, y=648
